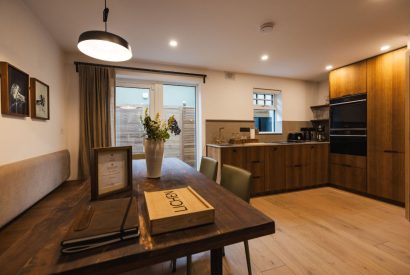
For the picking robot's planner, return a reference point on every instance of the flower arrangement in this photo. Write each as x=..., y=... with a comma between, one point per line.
x=156, y=129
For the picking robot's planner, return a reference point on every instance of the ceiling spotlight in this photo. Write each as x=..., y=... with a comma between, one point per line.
x=329, y=67
x=173, y=43
x=384, y=48
x=104, y=45
x=264, y=57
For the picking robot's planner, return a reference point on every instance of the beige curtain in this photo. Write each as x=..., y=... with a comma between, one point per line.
x=96, y=112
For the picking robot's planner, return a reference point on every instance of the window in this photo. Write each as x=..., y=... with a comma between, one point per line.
x=267, y=110
x=131, y=99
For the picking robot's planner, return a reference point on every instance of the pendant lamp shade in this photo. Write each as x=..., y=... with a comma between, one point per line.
x=104, y=46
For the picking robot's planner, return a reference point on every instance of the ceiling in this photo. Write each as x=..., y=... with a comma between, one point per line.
x=224, y=35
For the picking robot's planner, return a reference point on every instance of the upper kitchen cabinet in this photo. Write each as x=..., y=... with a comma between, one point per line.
x=386, y=82
x=348, y=80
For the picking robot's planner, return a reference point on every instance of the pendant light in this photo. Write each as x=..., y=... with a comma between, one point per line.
x=104, y=45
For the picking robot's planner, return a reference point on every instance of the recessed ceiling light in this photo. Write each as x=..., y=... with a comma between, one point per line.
x=173, y=43
x=264, y=57
x=329, y=67
x=384, y=48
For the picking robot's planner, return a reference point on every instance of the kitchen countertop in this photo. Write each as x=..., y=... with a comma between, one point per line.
x=274, y=143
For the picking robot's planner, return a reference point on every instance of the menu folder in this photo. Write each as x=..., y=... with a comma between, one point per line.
x=102, y=223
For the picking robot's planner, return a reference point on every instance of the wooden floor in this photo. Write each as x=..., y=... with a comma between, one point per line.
x=319, y=231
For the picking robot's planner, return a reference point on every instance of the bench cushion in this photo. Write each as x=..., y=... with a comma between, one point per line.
x=25, y=182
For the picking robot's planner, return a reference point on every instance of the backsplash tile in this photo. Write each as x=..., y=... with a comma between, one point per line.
x=232, y=126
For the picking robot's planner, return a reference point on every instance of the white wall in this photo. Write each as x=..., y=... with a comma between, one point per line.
x=322, y=92
x=220, y=98
x=25, y=44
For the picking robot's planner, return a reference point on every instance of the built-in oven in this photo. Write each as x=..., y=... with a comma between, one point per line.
x=348, y=125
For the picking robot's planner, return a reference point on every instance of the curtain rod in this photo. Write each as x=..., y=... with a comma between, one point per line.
x=203, y=76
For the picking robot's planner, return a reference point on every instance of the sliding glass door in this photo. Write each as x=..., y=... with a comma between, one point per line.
x=181, y=102
x=178, y=100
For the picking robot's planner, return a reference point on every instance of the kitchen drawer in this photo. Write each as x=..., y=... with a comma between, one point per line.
x=348, y=176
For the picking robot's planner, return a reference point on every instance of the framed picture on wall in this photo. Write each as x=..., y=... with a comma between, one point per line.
x=40, y=99
x=14, y=90
x=111, y=171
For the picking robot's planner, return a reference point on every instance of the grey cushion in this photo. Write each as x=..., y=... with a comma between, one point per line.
x=25, y=182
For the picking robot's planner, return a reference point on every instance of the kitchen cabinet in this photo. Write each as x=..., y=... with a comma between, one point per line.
x=255, y=163
x=348, y=171
x=319, y=164
x=275, y=169
x=348, y=80
x=298, y=174
x=234, y=156
x=386, y=78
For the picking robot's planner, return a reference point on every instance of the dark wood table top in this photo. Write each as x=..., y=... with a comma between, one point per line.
x=31, y=243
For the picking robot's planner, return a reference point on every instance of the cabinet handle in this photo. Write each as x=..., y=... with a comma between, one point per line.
x=234, y=150
x=347, y=165
x=255, y=161
x=256, y=177
x=392, y=151
x=275, y=149
x=297, y=165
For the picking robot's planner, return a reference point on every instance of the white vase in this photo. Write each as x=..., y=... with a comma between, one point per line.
x=154, y=153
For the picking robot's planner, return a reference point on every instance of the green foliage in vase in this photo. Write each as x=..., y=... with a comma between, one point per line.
x=157, y=129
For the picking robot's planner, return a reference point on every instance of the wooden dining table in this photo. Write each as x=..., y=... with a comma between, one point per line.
x=38, y=252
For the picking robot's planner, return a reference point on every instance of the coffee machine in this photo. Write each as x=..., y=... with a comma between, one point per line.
x=320, y=133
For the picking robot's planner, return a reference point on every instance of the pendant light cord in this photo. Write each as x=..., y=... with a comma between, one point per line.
x=105, y=14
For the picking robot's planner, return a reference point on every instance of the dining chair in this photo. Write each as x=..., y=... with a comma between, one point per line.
x=138, y=156
x=238, y=181
x=209, y=168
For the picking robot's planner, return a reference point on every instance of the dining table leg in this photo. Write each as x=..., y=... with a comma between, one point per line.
x=216, y=261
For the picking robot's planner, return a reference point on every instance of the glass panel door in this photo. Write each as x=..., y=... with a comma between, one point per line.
x=180, y=101
x=130, y=104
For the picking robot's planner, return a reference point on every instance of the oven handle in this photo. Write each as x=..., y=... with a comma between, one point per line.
x=348, y=135
x=347, y=102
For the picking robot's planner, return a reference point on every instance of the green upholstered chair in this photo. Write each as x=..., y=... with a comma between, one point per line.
x=209, y=168
x=138, y=156
x=238, y=181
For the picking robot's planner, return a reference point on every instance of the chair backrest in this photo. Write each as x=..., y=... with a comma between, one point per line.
x=209, y=168
x=138, y=156
x=236, y=180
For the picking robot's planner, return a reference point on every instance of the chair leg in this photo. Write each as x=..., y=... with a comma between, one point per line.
x=174, y=265
x=248, y=258
x=188, y=264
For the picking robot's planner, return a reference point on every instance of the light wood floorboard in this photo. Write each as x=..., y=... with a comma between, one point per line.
x=319, y=231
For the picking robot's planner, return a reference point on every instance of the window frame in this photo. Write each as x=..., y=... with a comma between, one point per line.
x=273, y=107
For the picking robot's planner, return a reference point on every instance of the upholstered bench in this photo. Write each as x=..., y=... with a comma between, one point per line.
x=25, y=182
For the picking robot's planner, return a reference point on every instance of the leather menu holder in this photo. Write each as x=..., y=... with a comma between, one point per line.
x=102, y=223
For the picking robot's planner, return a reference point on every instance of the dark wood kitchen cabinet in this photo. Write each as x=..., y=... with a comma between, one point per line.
x=235, y=156
x=255, y=163
x=275, y=169
x=319, y=164
x=348, y=80
x=386, y=80
x=348, y=171
x=298, y=172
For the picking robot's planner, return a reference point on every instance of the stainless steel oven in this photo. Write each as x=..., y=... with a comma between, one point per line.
x=348, y=125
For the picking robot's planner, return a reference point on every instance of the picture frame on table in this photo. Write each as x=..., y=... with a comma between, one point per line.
x=39, y=99
x=14, y=91
x=111, y=171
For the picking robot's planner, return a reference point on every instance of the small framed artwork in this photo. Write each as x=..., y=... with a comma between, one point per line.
x=14, y=90
x=111, y=171
x=40, y=99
